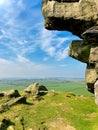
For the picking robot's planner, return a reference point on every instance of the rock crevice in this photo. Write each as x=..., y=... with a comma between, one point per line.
x=81, y=18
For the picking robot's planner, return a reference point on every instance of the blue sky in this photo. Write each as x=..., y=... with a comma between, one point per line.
x=28, y=50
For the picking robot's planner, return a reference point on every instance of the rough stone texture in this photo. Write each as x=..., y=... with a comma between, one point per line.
x=35, y=88
x=81, y=18
x=16, y=101
x=80, y=50
x=76, y=17
x=4, y=107
x=91, y=34
x=12, y=93
x=93, y=58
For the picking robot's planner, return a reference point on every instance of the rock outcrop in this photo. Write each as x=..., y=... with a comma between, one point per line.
x=12, y=93
x=75, y=16
x=10, y=98
x=35, y=89
x=81, y=18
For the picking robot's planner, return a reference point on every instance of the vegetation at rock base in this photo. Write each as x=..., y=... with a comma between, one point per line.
x=54, y=110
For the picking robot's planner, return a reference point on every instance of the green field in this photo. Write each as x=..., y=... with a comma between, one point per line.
x=54, y=111
x=69, y=107
x=78, y=87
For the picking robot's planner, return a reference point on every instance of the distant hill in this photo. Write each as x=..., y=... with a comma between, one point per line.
x=76, y=86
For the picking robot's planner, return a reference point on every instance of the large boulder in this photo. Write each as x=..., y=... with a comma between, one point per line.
x=35, y=88
x=81, y=18
x=75, y=16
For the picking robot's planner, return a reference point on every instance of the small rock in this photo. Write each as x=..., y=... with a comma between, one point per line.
x=4, y=107
x=16, y=101
x=12, y=93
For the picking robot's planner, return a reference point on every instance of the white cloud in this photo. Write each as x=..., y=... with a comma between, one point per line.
x=5, y=2
x=22, y=59
x=22, y=37
x=53, y=45
x=45, y=59
x=62, y=54
x=21, y=68
x=21, y=34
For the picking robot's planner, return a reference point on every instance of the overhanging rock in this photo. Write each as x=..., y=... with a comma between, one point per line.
x=75, y=16
x=81, y=18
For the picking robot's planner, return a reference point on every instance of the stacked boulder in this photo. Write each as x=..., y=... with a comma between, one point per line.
x=81, y=18
x=35, y=89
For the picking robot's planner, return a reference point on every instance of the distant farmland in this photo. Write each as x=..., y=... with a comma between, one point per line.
x=76, y=86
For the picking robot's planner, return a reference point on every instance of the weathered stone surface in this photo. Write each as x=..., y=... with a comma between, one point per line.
x=80, y=50
x=75, y=17
x=16, y=101
x=81, y=18
x=91, y=34
x=35, y=88
x=93, y=58
x=4, y=107
x=91, y=75
x=12, y=93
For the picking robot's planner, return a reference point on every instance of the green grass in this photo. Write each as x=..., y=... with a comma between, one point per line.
x=54, y=112
x=76, y=86
x=59, y=109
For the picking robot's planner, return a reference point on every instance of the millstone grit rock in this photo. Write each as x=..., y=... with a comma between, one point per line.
x=75, y=16
x=80, y=50
x=35, y=88
x=91, y=34
x=81, y=18
x=12, y=93
x=4, y=107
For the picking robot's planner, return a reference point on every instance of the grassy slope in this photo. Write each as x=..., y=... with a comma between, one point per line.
x=56, y=111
